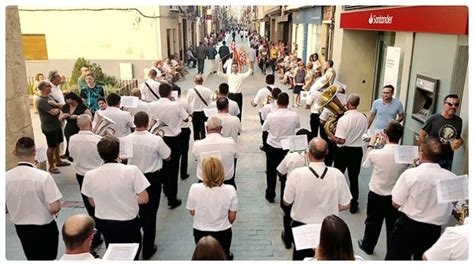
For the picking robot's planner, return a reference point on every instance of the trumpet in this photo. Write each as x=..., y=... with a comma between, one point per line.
x=103, y=125
x=156, y=127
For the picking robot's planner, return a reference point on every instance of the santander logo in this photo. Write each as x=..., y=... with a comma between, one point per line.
x=380, y=19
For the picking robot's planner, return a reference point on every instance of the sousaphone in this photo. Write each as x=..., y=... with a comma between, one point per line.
x=329, y=100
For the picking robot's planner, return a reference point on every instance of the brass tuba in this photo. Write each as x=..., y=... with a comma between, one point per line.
x=156, y=127
x=215, y=95
x=329, y=100
x=103, y=125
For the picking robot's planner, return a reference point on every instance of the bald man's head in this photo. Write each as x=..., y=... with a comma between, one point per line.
x=77, y=233
x=136, y=92
x=84, y=122
x=318, y=149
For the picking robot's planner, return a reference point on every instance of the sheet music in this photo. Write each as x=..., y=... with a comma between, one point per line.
x=406, y=154
x=285, y=144
x=306, y=236
x=126, y=147
x=208, y=112
x=174, y=94
x=217, y=154
x=129, y=101
x=41, y=154
x=121, y=251
x=298, y=142
x=453, y=189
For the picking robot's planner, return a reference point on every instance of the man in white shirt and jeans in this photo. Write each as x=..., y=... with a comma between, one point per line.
x=350, y=129
x=384, y=176
x=149, y=151
x=415, y=196
x=32, y=201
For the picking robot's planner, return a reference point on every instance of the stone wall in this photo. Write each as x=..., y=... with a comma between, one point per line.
x=18, y=119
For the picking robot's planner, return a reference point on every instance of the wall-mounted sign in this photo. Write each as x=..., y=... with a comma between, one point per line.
x=392, y=66
x=436, y=19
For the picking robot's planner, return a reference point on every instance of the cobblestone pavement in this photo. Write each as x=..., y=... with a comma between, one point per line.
x=256, y=231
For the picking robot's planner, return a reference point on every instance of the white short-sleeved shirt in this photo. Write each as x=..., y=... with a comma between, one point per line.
x=57, y=94
x=80, y=256
x=313, y=101
x=83, y=149
x=212, y=206
x=184, y=103
x=234, y=80
x=141, y=107
x=212, y=143
x=386, y=171
x=415, y=191
x=148, y=151
x=452, y=245
x=147, y=95
x=351, y=127
x=262, y=95
x=114, y=188
x=233, y=107
x=315, y=198
x=230, y=125
x=195, y=102
x=28, y=194
x=169, y=112
x=291, y=161
x=267, y=109
x=123, y=120
x=280, y=124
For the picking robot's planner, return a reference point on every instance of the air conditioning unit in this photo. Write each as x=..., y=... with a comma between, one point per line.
x=174, y=8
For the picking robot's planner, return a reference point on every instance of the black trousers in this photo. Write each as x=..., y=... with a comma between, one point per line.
x=199, y=132
x=274, y=158
x=238, y=98
x=378, y=209
x=149, y=211
x=304, y=253
x=184, y=142
x=411, y=238
x=224, y=237
x=121, y=232
x=287, y=233
x=39, y=242
x=350, y=158
x=314, y=124
x=193, y=61
x=89, y=208
x=171, y=168
x=200, y=66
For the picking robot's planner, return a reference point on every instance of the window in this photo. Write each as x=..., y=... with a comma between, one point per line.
x=34, y=47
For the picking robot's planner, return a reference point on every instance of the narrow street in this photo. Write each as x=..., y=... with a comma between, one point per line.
x=256, y=232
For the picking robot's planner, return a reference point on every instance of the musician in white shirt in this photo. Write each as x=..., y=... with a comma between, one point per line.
x=199, y=98
x=149, y=88
x=123, y=121
x=224, y=92
x=230, y=124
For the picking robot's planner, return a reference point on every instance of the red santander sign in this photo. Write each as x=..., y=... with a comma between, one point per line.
x=435, y=19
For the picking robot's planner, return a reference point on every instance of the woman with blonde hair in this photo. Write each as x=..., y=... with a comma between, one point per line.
x=213, y=205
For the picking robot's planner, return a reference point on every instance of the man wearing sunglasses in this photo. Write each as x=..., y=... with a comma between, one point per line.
x=446, y=126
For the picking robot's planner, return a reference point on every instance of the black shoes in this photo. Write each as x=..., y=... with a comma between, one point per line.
x=174, y=203
x=360, y=243
x=262, y=148
x=230, y=256
x=354, y=207
x=148, y=256
x=271, y=200
x=287, y=243
x=185, y=177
